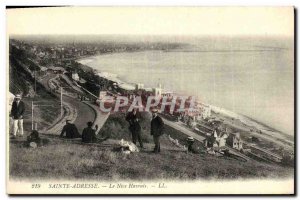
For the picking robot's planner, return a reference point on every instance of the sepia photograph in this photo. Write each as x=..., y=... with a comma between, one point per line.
x=150, y=100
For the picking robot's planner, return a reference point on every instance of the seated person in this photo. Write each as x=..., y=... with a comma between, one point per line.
x=70, y=130
x=89, y=134
x=34, y=137
x=192, y=147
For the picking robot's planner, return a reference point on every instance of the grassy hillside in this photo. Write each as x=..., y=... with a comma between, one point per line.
x=65, y=159
x=68, y=160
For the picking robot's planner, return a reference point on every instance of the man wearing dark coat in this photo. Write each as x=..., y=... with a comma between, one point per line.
x=134, y=126
x=89, y=134
x=17, y=112
x=157, y=128
x=70, y=130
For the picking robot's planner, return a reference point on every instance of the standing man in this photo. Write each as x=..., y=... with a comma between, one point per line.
x=17, y=112
x=134, y=126
x=157, y=128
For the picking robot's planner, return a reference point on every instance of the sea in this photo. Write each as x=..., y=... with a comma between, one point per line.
x=249, y=75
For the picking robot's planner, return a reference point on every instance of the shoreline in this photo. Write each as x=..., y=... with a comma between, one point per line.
x=248, y=121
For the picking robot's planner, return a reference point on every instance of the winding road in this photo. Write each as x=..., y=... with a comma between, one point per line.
x=84, y=112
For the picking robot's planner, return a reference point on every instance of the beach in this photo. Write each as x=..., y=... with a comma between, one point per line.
x=256, y=82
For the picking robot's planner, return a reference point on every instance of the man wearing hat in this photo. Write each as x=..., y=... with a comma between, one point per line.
x=17, y=112
x=190, y=141
x=133, y=119
x=157, y=126
x=192, y=147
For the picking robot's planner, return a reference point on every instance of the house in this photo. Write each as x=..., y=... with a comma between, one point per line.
x=234, y=140
x=75, y=77
x=167, y=93
x=204, y=110
x=124, y=87
x=139, y=86
x=43, y=71
x=222, y=139
x=60, y=70
x=157, y=91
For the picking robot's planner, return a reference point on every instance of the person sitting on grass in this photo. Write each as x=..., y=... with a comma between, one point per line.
x=89, y=134
x=34, y=138
x=70, y=130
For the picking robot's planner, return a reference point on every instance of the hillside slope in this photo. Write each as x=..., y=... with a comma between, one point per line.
x=62, y=159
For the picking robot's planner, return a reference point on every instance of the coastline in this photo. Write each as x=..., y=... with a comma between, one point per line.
x=246, y=120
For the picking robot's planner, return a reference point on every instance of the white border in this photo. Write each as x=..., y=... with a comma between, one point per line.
x=5, y=3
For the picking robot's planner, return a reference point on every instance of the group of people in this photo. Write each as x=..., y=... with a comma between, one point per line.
x=157, y=128
x=70, y=130
x=133, y=118
x=89, y=133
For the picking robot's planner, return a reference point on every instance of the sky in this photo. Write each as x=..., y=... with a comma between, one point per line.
x=232, y=21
